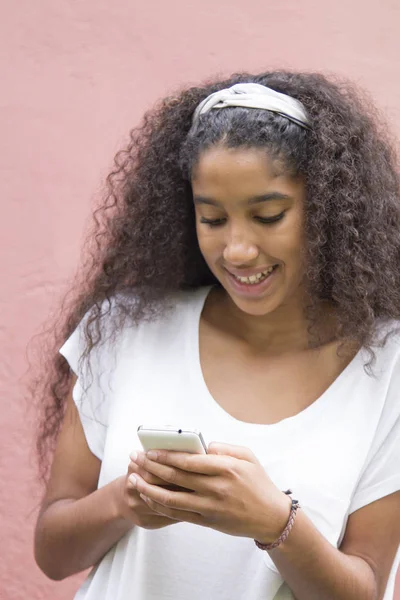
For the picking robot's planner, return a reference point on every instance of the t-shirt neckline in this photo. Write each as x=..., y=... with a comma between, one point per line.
x=311, y=411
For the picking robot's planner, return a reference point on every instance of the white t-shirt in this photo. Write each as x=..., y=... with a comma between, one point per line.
x=337, y=455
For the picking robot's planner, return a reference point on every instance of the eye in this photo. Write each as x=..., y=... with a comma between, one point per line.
x=269, y=220
x=212, y=222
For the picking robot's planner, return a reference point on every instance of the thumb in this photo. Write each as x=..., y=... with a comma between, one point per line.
x=239, y=452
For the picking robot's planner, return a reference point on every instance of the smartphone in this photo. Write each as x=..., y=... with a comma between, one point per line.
x=171, y=438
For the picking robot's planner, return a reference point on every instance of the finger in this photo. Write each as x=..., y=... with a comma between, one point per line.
x=202, y=464
x=174, y=514
x=240, y=452
x=173, y=476
x=149, y=477
x=174, y=500
x=153, y=479
x=134, y=496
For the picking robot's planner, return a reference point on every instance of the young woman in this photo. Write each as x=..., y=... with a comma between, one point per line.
x=245, y=282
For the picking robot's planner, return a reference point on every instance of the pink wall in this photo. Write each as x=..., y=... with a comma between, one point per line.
x=75, y=77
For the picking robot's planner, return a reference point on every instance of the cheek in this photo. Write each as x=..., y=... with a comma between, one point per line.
x=294, y=258
x=297, y=245
x=290, y=242
x=210, y=244
x=292, y=245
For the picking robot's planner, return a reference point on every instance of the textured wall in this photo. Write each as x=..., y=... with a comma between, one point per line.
x=75, y=77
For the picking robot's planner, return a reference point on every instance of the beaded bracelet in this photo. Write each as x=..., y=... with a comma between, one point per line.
x=285, y=533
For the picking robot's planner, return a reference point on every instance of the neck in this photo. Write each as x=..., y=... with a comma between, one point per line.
x=284, y=330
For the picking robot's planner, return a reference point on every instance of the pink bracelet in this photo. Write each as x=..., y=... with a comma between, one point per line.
x=285, y=533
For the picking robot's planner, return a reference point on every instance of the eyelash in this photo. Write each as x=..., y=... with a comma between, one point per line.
x=262, y=220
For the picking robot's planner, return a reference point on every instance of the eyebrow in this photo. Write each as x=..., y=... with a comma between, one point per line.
x=252, y=200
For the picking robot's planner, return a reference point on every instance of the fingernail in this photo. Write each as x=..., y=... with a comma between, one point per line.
x=152, y=455
x=132, y=480
x=133, y=456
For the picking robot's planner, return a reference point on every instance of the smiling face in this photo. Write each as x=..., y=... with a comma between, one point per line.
x=249, y=221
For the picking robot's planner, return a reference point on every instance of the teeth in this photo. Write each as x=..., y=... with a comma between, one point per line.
x=254, y=278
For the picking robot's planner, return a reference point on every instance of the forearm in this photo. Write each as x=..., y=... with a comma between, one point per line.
x=73, y=535
x=315, y=570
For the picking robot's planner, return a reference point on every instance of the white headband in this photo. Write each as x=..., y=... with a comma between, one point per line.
x=254, y=95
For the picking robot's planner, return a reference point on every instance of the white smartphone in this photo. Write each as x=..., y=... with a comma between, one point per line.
x=171, y=438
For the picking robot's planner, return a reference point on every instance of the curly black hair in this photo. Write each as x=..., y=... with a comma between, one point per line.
x=143, y=242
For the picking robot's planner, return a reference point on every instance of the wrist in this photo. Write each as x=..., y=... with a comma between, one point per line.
x=277, y=522
x=118, y=504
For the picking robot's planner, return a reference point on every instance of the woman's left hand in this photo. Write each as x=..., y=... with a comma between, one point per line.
x=231, y=492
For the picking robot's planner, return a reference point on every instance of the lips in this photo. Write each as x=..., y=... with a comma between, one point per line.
x=252, y=285
x=248, y=272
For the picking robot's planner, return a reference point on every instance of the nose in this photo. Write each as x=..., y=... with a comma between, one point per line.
x=240, y=250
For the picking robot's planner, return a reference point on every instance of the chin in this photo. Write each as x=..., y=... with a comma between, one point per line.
x=253, y=302
x=259, y=309
x=256, y=307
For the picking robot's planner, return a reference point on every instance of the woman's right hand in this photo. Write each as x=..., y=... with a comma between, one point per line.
x=132, y=507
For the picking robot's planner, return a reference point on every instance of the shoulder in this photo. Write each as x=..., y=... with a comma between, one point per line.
x=126, y=314
x=385, y=376
x=388, y=329
x=382, y=357
x=371, y=382
x=175, y=307
x=128, y=322
x=129, y=309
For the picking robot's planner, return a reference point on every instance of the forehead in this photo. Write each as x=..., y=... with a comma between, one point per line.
x=239, y=170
